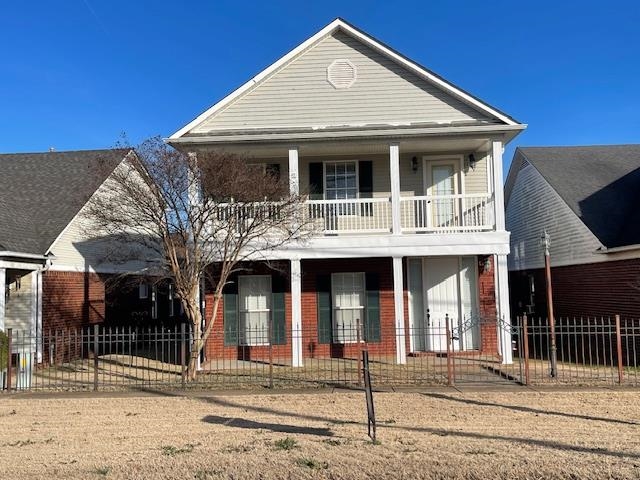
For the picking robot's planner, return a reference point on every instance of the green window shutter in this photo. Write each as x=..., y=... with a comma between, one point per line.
x=325, y=324
x=273, y=170
x=372, y=322
x=278, y=314
x=230, y=312
x=316, y=181
x=365, y=185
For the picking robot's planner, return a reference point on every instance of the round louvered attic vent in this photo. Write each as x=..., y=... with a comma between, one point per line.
x=341, y=73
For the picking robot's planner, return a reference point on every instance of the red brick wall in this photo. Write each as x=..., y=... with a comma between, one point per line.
x=595, y=289
x=215, y=347
x=312, y=268
x=71, y=299
x=487, y=306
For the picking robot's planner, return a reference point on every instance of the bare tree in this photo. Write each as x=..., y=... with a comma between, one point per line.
x=193, y=218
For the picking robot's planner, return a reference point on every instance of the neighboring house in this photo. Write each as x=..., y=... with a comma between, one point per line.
x=404, y=175
x=586, y=198
x=52, y=276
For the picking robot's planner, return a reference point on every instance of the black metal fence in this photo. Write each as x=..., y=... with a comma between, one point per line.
x=589, y=352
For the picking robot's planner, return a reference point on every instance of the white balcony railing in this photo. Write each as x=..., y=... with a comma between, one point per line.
x=446, y=213
x=423, y=214
x=353, y=216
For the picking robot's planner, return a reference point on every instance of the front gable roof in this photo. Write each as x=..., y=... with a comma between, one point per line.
x=41, y=193
x=384, y=89
x=601, y=185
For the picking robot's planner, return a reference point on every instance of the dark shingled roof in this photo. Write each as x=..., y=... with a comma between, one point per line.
x=601, y=184
x=40, y=193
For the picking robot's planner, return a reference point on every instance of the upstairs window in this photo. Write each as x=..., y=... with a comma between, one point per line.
x=341, y=180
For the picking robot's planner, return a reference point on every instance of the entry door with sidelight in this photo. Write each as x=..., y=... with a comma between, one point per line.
x=442, y=187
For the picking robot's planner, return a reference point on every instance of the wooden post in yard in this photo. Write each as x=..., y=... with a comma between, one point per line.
x=525, y=348
x=9, y=360
x=619, y=350
x=450, y=379
x=552, y=322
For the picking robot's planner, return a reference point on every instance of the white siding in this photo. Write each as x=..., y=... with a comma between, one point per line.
x=299, y=95
x=18, y=308
x=533, y=207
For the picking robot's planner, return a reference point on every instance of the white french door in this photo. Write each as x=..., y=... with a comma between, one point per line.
x=450, y=289
x=442, y=183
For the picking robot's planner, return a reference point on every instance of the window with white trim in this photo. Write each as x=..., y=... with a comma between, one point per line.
x=154, y=302
x=340, y=180
x=171, y=303
x=348, y=292
x=254, y=295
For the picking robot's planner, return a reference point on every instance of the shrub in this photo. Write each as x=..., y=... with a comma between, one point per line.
x=4, y=350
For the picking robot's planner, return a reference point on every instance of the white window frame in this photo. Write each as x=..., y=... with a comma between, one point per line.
x=352, y=336
x=324, y=177
x=243, y=337
x=171, y=306
x=154, y=302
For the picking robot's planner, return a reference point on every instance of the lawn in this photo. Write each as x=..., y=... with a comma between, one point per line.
x=443, y=433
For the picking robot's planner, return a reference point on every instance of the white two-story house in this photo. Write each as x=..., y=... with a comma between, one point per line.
x=403, y=172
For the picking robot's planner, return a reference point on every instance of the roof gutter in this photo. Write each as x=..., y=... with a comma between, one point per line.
x=625, y=248
x=30, y=256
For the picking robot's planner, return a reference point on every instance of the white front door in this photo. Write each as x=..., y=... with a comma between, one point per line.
x=441, y=294
x=443, y=186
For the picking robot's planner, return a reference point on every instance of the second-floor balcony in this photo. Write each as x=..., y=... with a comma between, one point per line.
x=418, y=214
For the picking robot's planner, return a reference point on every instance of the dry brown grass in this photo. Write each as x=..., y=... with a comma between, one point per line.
x=447, y=434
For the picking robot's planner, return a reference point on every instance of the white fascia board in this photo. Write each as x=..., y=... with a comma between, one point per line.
x=32, y=256
x=20, y=265
x=367, y=40
x=77, y=215
x=510, y=131
x=388, y=245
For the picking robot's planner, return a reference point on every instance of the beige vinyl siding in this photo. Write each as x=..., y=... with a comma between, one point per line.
x=299, y=95
x=475, y=181
x=533, y=206
x=18, y=307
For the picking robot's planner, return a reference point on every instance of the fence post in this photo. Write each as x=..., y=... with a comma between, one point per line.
x=525, y=348
x=95, y=356
x=619, y=350
x=9, y=357
x=358, y=339
x=450, y=379
x=270, y=339
x=183, y=354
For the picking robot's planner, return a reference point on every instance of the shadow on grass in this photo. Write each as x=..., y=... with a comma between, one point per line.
x=518, y=408
x=274, y=427
x=566, y=447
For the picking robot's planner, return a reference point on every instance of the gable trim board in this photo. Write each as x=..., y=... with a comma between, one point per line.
x=341, y=25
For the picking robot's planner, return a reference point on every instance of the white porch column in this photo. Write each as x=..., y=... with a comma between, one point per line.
x=36, y=312
x=398, y=302
x=502, y=305
x=294, y=177
x=296, y=314
x=3, y=296
x=394, y=169
x=498, y=187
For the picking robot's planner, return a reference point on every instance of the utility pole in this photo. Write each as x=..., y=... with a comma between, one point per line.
x=545, y=241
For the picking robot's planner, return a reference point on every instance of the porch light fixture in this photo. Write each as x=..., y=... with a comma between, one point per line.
x=472, y=161
x=485, y=264
x=414, y=164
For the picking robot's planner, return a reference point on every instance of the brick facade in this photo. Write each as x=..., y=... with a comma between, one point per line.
x=311, y=348
x=72, y=299
x=589, y=290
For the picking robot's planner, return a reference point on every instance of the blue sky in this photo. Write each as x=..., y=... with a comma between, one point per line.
x=74, y=74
